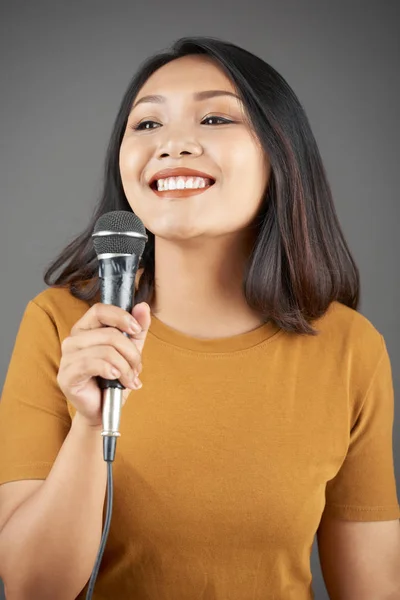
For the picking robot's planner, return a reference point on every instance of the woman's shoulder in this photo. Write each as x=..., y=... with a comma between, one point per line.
x=351, y=331
x=349, y=320
x=63, y=308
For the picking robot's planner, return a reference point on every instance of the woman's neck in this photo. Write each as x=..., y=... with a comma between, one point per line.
x=198, y=287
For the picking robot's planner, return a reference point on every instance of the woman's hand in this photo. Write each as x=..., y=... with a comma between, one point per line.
x=96, y=346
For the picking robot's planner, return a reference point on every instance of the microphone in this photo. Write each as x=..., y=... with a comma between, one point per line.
x=119, y=238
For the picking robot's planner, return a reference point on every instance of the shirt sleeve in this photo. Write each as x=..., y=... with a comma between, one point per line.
x=34, y=417
x=364, y=489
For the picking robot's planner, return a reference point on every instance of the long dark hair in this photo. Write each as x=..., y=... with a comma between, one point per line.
x=300, y=261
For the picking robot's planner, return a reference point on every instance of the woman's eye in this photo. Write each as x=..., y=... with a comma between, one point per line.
x=143, y=125
x=148, y=125
x=221, y=120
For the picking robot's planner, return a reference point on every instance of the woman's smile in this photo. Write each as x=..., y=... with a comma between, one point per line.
x=181, y=187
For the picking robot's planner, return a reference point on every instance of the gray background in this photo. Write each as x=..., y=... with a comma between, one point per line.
x=65, y=67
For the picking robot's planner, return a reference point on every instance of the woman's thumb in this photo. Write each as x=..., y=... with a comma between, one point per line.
x=141, y=312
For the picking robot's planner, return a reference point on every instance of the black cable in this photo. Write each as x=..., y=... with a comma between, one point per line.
x=109, y=444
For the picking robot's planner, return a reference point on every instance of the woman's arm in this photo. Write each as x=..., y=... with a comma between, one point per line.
x=360, y=559
x=49, y=544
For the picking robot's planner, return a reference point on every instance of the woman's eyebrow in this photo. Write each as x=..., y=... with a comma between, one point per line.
x=158, y=99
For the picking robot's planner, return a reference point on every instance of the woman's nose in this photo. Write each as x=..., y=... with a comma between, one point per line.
x=178, y=145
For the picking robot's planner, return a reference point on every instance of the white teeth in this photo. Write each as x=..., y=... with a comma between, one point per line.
x=172, y=183
x=200, y=181
x=181, y=183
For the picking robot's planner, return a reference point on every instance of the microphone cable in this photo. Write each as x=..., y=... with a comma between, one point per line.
x=109, y=445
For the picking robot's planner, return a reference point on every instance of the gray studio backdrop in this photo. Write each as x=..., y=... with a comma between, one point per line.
x=65, y=66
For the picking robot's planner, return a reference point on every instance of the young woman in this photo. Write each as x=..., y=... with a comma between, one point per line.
x=266, y=412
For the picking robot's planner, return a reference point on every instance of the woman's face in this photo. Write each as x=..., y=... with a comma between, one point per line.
x=209, y=134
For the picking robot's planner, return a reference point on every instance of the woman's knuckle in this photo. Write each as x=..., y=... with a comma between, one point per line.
x=96, y=307
x=75, y=328
x=109, y=352
x=97, y=310
x=65, y=344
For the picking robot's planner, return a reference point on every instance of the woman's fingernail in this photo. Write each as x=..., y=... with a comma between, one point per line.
x=135, y=327
x=138, y=383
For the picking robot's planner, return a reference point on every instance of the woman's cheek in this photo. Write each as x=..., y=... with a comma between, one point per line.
x=127, y=164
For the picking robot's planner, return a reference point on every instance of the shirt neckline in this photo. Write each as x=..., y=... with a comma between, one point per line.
x=234, y=343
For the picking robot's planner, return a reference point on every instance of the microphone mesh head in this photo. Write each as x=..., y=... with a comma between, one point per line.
x=118, y=222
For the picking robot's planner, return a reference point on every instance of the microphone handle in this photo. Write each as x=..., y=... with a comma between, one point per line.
x=117, y=274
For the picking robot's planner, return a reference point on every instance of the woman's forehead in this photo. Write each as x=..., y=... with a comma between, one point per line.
x=188, y=74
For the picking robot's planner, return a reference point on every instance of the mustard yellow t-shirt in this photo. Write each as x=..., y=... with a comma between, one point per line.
x=228, y=455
